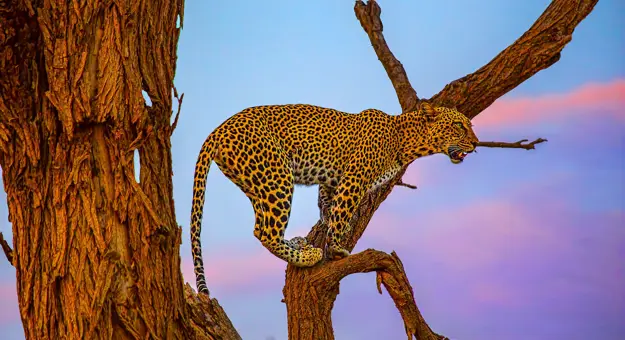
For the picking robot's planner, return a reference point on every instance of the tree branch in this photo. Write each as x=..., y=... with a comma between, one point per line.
x=369, y=17
x=207, y=317
x=389, y=272
x=7, y=249
x=173, y=126
x=537, y=49
x=402, y=184
x=515, y=145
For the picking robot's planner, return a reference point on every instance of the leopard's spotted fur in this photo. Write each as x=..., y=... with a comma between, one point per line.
x=266, y=150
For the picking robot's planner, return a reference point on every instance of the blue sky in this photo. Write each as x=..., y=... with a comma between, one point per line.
x=526, y=216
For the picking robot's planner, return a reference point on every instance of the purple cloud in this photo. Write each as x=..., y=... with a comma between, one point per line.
x=513, y=255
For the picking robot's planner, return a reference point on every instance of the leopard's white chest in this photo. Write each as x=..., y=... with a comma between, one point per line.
x=385, y=177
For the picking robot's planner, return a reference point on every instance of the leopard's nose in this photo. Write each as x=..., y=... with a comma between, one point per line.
x=474, y=144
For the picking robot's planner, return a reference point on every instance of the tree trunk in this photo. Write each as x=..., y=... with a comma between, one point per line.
x=310, y=294
x=96, y=253
x=309, y=306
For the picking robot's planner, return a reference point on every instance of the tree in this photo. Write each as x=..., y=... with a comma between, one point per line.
x=96, y=253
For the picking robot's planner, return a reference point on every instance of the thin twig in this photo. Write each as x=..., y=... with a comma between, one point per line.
x=7, y=249
x=515, y=145
x=402, y=184
x=173, y=126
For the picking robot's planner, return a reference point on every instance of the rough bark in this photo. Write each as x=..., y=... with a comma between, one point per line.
x=310, y=293
x=96, y=253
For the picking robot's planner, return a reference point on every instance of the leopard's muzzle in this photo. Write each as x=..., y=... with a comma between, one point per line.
x=456, y=154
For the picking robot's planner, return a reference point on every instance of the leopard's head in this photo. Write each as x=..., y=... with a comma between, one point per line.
x=450, y=132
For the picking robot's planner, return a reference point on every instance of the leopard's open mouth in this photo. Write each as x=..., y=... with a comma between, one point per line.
x=456, y=155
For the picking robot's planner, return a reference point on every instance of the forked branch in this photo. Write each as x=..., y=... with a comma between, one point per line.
x=369, y=17
x=390, y=273
x=522, y=144
x=179, y=98
x=537, y=49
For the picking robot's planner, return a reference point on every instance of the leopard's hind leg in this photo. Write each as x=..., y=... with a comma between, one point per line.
x=272, y=210
x=295, y=251
x=261, y=170
x=258, y=217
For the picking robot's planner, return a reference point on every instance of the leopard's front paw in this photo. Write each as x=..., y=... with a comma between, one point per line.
x=336, y=252
x=311, y=255
x=299, y=243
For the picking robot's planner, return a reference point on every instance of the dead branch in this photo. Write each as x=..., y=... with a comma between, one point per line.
x=402, y=184
x=537, y=49
x=173, y=126
x=516, y=145
x=7, y=249
x=389, y=272
x=369, y=17
x=396, y=283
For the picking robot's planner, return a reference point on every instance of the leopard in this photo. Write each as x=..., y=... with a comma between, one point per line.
x=267, y=150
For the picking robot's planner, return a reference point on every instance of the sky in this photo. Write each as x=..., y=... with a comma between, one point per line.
x=510, y=244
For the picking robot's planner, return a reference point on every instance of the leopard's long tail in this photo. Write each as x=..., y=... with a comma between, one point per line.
x=202, y=166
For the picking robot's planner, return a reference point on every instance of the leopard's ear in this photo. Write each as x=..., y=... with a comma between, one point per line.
x=428, y=111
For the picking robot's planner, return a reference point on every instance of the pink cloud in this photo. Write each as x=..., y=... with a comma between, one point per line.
x=518, y=248
x=235, y=271
x=465, y=238
x=497, y=294
x=9, y=310
x=606, y=98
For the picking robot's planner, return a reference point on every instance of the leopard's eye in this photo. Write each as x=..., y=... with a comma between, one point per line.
x=459, y=125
